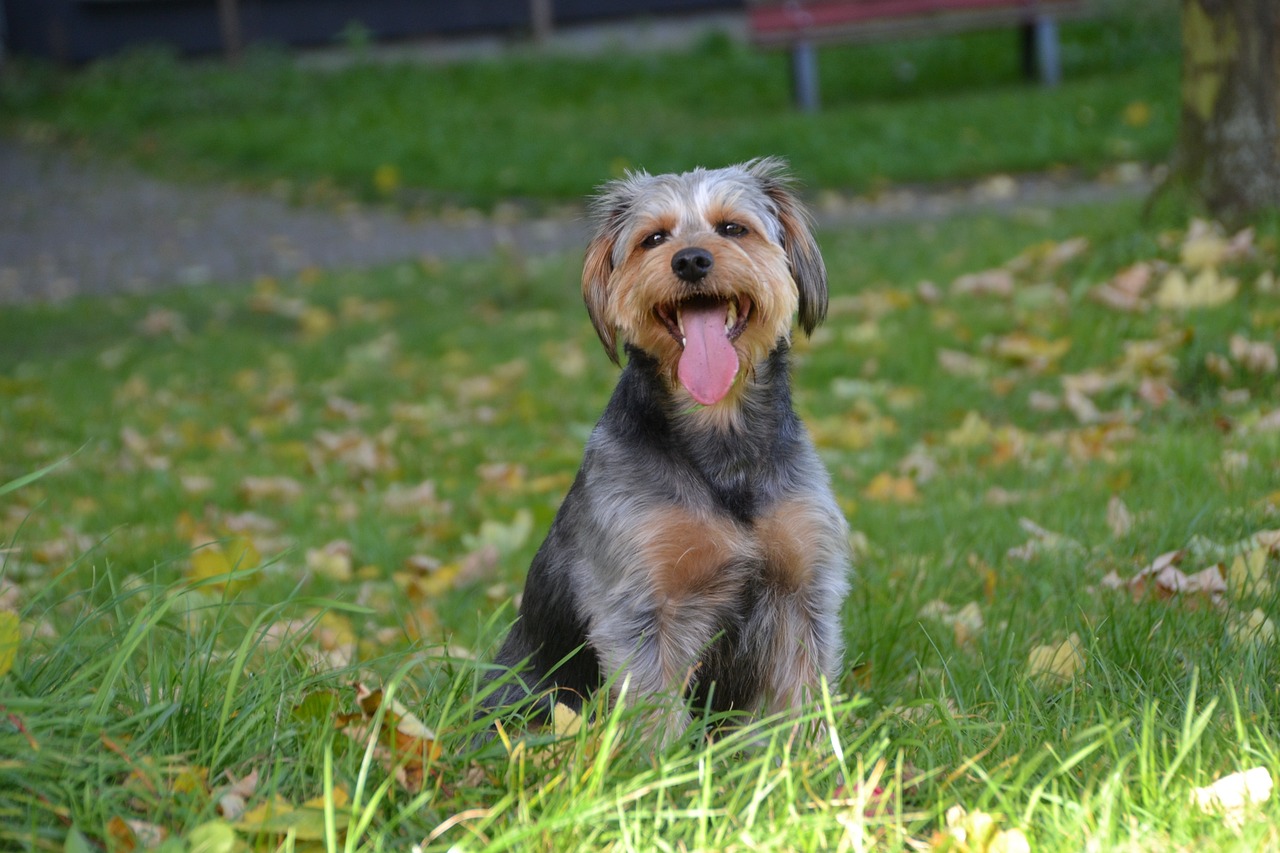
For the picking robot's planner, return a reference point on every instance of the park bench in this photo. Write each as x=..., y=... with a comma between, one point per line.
x=801, y=26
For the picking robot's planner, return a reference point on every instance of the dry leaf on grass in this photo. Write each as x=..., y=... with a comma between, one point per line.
x=1207, y=290
x=1163, y=580
x=1057, y=662
x=1253, y=628
x=1235, y=795
x=405, y=746
x=232, y=799
x=887, y=488
x=966, y=623
x=979, y=832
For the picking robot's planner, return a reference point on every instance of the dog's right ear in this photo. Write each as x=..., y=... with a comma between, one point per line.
x=596, y=270
x=609, y=210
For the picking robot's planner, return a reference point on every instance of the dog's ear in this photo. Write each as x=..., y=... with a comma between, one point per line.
x=609, y=209
x=596, y=269
x=807, y=267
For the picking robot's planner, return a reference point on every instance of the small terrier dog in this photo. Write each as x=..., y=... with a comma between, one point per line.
x=700, y=554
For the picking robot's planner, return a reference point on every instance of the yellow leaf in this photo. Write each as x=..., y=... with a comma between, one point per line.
x=885, y=487
x=278, y=816
x=1204, y=247
x=1060, y=662
x=1255, y=629
x=1206, y=290
x=9, y=640
x=1137, y=114
x=566, y=721
x=316, y=322
x=972, y=432
x=386, y=179
x=332, y=561
x=215, y=836
x=1248, y=574
x=220, y=559
x=1030, y=350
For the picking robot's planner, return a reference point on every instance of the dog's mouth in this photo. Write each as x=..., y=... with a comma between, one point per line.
x=706, y=327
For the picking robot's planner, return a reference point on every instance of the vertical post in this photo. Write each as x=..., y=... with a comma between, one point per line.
x=541, y=19
x=229, y=23
x=804, y=76
x=1048, y=57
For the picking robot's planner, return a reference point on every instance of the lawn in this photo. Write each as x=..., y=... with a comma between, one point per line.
x=283, y=508
x=543, y=131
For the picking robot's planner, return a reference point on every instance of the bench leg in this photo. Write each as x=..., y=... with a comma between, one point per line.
x=1048, y=57
x=804, y=76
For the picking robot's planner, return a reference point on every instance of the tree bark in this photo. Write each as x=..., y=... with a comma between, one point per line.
x=1228, y=150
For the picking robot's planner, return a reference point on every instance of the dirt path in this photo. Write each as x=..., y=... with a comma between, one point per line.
x=70, y=227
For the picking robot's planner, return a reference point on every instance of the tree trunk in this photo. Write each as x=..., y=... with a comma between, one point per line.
x=1229, y=146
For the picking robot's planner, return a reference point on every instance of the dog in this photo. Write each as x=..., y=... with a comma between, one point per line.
x=700, y=556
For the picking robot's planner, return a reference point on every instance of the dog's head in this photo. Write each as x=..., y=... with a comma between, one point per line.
x=703, y=271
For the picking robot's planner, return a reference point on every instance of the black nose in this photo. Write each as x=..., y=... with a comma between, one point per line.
x=692, y=264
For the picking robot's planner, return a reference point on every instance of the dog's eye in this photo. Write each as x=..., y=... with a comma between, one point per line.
x=654, y=240
x=731, y=229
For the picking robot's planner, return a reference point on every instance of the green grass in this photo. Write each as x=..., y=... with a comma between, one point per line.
x=143, y=676
x=546, y=129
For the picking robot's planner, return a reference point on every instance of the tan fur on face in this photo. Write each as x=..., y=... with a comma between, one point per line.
x=749, y=265
x=776, y=264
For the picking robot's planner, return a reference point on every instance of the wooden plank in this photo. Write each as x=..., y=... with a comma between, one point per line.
x=876, y=20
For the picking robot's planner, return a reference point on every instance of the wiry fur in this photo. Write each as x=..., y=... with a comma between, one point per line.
x=700, y=552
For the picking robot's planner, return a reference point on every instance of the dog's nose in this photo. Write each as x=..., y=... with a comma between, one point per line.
x=692, y=264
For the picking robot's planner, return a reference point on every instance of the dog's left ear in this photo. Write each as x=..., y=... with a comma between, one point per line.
x=807, y=267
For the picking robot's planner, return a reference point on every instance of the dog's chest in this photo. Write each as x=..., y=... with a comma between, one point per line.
x=713, y=554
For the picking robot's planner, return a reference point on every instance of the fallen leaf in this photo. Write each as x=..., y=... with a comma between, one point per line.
x=1257, y=357
x=1253, y=629
x=887, y=488
x=1163, y=580
x=565, y=721
x=1235, y=795
x=282, y=489
x=1119, y=518
x=1248, y=574
x=1044, y=541
x=1033, y=352
x=958, y=363
x=233, y=798
x=979, y=832
x=1125, y=291
x=215, y=836
x=993, y=282
x=506, y=538
x=405, y=747
x=229, y=560
x=333, y=561
x=1060, y=662
x=1204, y=247
x=974, y=431
x=1207, y=290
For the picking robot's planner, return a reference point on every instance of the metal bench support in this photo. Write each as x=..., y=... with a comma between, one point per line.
x=804, y=76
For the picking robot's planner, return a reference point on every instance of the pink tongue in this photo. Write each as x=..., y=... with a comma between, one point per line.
x=709, y=362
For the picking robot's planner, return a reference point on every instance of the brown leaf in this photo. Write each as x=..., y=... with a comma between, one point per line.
x=232, y=798
x=405, y=746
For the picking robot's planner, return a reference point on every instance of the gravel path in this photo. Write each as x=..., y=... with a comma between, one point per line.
x=71, y=227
